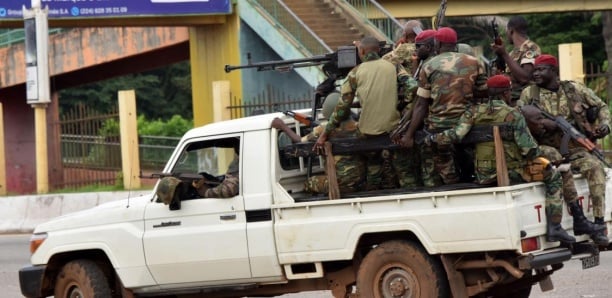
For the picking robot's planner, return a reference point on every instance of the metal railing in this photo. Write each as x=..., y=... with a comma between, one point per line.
x=14, y=36
x=378, y=16
x=286, y=20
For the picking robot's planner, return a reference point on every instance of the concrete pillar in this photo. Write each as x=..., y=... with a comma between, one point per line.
x=570, y=62
x=210, y=48
x=221, y=100
x=130, y=158
x=2, y=155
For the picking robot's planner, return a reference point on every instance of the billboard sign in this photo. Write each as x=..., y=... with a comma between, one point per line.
x=75, y=9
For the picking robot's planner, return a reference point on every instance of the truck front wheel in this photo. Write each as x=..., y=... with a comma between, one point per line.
x=82, y=278
x=400, y=269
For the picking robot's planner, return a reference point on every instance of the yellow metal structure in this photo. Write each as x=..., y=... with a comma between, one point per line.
x=211, y=47
x=428, y=8
x=42, y=158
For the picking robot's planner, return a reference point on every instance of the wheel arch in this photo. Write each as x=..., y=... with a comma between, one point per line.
x=57, y=261
x=368, y=240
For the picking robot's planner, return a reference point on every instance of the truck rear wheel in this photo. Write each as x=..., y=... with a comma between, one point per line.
x=82, y=278
x=400, y=269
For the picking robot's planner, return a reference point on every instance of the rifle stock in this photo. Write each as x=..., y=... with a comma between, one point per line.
x=304, y=119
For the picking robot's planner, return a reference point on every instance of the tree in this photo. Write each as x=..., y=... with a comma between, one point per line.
x=160, y=93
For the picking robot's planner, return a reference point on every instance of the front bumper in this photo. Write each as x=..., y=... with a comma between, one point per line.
x=31, y=280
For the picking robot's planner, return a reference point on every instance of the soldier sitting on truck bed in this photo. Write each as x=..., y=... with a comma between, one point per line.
x=350, y=169
x=523, y=156
x=375, y=81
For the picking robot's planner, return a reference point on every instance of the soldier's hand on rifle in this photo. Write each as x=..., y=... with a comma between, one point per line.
x=601, y=131
x=499, y=49
x=407, y=141
x=318, y=146
x=549, y=125
x=430, y=139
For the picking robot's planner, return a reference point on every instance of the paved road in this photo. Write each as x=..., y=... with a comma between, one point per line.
x=570, y=282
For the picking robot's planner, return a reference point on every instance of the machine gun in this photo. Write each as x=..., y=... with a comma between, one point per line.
x=336, y=64
x=571, y=133
x=498, y=61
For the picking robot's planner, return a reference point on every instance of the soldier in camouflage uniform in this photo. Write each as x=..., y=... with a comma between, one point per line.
x=375, y=81
x=350, y=169
x=446, y=83
x=572, y=100
x=582, y=225
x=519, y=62
x=404, y=52
x=227, y=188
x=517, y=153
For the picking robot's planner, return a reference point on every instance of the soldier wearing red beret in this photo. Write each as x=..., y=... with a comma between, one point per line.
x=447, y=82
x=519, y=152
x=586, y=112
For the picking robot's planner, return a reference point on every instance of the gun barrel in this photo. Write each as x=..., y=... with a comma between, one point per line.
x=271, y=65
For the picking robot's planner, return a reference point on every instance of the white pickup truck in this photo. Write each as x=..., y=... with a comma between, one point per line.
x=272, y=238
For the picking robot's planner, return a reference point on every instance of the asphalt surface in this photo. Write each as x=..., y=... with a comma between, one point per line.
x=570, y=282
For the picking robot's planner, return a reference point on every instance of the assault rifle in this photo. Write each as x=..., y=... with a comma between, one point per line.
x=499, y=61
x=571, y=133
x=187, y=177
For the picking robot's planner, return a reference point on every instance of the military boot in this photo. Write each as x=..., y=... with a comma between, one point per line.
x=581, y=224
x=599, y=237
x=554, y=230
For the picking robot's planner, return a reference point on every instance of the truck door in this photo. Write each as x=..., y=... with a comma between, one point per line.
x=205, y=240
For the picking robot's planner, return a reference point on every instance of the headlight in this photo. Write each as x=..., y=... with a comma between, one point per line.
x=36, y=240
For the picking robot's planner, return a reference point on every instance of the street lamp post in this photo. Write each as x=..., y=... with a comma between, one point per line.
x=37, y=85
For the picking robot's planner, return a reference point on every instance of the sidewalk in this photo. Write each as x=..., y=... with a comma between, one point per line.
x=21, y=214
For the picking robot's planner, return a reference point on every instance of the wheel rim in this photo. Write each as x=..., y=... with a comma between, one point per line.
x=397, y=281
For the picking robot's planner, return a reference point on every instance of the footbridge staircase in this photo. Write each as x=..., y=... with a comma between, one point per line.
x=298, y=29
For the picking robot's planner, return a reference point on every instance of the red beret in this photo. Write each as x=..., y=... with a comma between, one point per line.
x=546, y=59
x=498, y=81
x=425, y=35
x=446, y=35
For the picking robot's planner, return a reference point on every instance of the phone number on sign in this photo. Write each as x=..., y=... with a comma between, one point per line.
x=102, y=10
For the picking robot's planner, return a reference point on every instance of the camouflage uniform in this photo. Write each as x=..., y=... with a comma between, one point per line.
x=525, y=54
x=350, y=169
x=404, y=54
x=517, y=153
x=378, y=99
x=558, y=103
x=449, y=80
x=226, y=189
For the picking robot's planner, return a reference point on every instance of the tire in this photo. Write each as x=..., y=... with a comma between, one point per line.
x=82, y=278
x=401, y=269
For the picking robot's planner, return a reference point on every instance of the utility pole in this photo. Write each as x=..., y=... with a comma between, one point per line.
x=37, y=84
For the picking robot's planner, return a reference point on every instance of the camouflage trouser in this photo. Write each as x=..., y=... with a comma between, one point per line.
x=552, y=185
x=379, y=172
x=569, y=188
x=438, y=165
x=350, y=172
x=406, y=165
x=593, y=171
